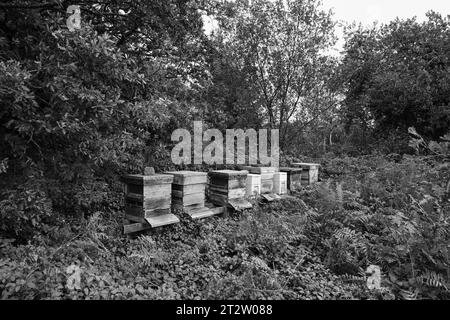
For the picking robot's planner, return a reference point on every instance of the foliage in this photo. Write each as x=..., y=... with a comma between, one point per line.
x=391, y=214
x=277, y=47
x=396, y=76
x=79, y=108
x=258, y=256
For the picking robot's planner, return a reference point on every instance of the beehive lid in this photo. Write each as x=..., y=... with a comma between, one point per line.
x=228, y=173
x=308, y=166
x=291, y=170
x=260, y=170
x=280, y=174
x=155, y=179
x=187, y=173
x=188, y=177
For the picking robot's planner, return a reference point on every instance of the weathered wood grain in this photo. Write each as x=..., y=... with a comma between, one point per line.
x=189, y=199
x=163, y=203
x=188, y=177
x=260, y=170
x=188, y=189
x=135, y=227
x=280, y=183
x=294, y=178
x=253, y=185
x=157, y=179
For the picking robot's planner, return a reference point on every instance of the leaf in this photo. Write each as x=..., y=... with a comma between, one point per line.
x=74, y=279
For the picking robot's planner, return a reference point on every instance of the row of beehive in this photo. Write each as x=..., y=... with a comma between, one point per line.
x=150, y=198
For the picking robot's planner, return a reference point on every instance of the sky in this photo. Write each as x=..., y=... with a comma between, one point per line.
x=369, y=11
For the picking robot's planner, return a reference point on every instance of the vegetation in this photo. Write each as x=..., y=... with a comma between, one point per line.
x=79, y=109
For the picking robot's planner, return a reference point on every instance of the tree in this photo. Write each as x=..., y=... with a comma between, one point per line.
x=77, y=109
x=396, y=76
x=281, y=47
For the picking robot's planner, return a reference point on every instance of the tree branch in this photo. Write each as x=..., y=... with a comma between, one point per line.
x=47, y=5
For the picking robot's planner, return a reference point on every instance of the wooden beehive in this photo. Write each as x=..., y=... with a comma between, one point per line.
x=253, y=185
x=310, y=172
x=280, y=182
x=294, y=178
x=228, y=187
x=267, y=176
x=148, y=199
x=188, y=193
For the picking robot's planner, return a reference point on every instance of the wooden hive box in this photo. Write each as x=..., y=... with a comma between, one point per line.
x=267, y=176
x=310, y=172
x=148, y=199
x=253, y=185
x=228, y=187
x=188, y=193
x=280, y=182
x=294, y=178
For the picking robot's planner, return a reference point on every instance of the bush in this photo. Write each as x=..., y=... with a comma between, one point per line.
x=392, y=215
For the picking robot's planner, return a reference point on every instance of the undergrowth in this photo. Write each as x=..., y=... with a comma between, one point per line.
x=315, y=244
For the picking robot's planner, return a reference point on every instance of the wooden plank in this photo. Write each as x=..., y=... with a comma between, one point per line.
x=157, y=191
x=294, y=182
x=218, y=210
x=230, y=178
x=269, y=197
x=162, y=220
x=260, y=170
x=188, y=177
x=291, y=170
x=190, y=199
x=228, y=183
x=151, y=199
x=294, y=178
x=134, y=210
x=310, y=176
x=202, y=213
x=163, y=203
x=218, y=200
x=156, y=179
x=196, y=197
x=177, y=194
x=266, y=186
x=236, y=193
x=239, y=204
x=135, y=197
x=135, y=227
x=135, y=218
x=228, y=174
x=156, y=212
x=253, y=185
x=314, y=176
x=189, y=189
x=280, y=183
x=194, y=180
x=307, y=166
x=188, y=207
x=133, y=188
x=267, y=176
x=233, y=193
